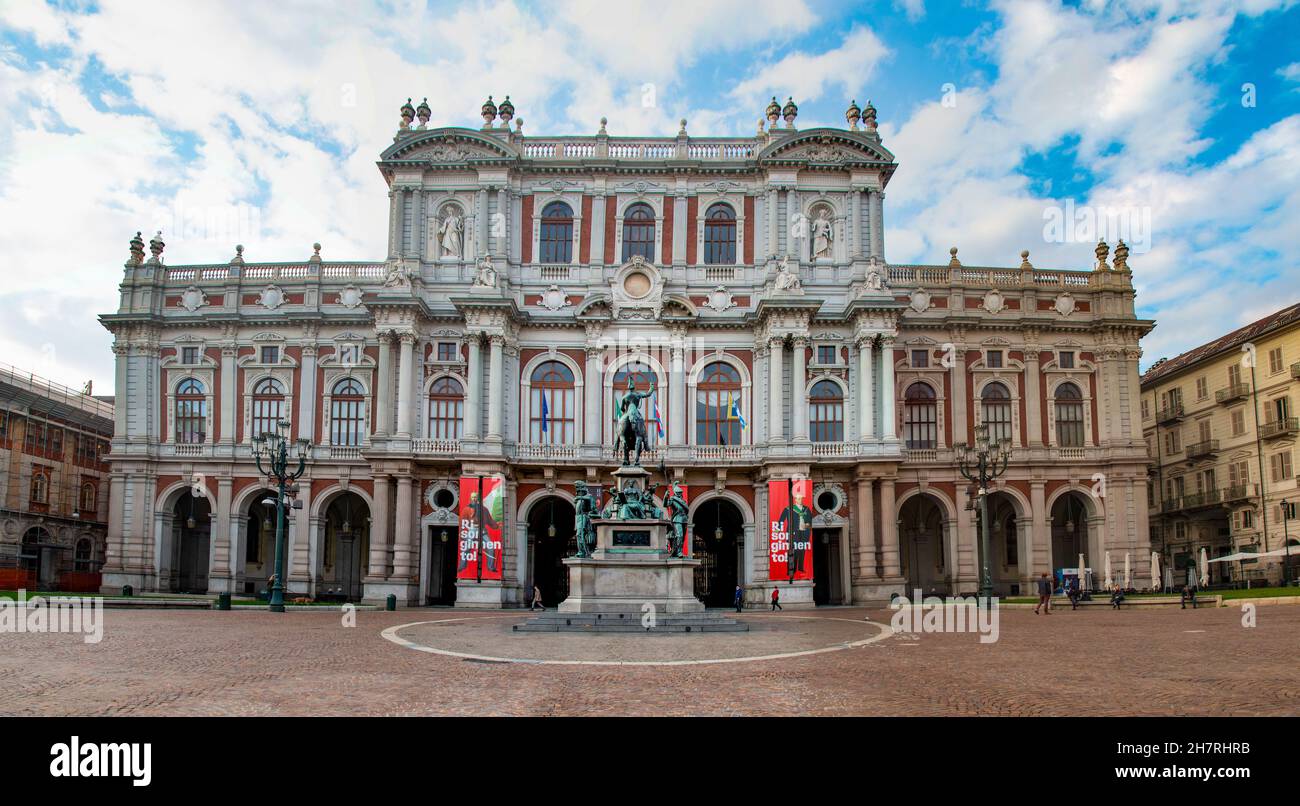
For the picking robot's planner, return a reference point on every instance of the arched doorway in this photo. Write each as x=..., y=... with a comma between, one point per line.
x=550, y=540
x=1004, y=543
x=1070, y=532
x=346, y=547
x=191, y=526
x=259, y=542
x=921, y=549
x=37, y=557
x=716, y=540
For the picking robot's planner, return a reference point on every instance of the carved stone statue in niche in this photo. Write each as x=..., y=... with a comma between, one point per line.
x=485, y=276
x=823, y=233
x=787, y=279
x=450, y=230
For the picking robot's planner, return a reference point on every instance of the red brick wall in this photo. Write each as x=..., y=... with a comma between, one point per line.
x=669, y=213
x=526, y=230
x=584, y=238
x=692, y=214
x=611, y=213
x=749, y=229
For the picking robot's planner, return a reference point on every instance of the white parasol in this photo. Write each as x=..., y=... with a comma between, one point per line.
x=1205, y=568
x=1128, y=569
x=1155, y=571
x=1109, y=581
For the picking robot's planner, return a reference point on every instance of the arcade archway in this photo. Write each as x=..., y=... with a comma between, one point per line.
x=191, y=530
x=346, y=547
x=921, y=533
x=1070, y=515
x=716, y=540
x=550, y=540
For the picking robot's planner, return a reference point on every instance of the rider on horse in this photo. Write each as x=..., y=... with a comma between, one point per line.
x=629, y=410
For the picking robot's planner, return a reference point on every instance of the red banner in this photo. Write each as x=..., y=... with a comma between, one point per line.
x=482, y=519
x=790, y=554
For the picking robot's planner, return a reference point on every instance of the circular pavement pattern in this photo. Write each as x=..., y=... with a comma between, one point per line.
x=491, y=640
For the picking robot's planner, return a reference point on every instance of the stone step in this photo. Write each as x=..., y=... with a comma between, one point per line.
x=630, y=623
x=631, y=628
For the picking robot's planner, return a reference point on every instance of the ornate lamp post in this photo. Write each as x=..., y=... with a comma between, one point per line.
x=271, y=450
x=981, y=464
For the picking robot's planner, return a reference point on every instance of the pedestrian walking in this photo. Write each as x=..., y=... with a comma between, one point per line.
x=740, y=597
x=537, y=599
x=776, y=600
x=1044, y=595
x=1116, y=596
x=1072, y=591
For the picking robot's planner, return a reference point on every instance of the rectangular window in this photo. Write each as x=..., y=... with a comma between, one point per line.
x=994, y=359
x=920, y=358
x=826, y=354
x=189, y=355
x=1173, y=442
x=1202, y=389
x=1205, y=430
x=1234, y=374
x=1275, y=360
x=447, y=351
x=1238, y=422
x=270, y=355
x=1146, y=409
x=1066, y=360
x=1279, y=409
x=1281, y=464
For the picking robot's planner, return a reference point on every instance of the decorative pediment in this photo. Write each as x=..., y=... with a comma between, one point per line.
x=642, y=187
x=826, y=147
x=448, y=145
x=268, y=337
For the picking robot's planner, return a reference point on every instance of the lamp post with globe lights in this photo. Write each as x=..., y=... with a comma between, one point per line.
x=981, y=464
x=271, y=450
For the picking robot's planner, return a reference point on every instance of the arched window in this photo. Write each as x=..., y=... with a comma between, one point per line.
x=920, y=417
x=40, y=488
x=997, y=412
x=639, y=232
x=89, y=502
x=641, y=375
x=1069, y=416
x=268, y=407
x=446, y=408
x=83, y=557
x=557, y=233
x=826, y=412
x=718, y=388
x=191, y=413
x=552, y=415
x=720, y=234
x=347, y=413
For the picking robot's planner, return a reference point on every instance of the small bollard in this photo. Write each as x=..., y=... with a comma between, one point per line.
x=392, y=602
x=127, y=590
x=223, y=600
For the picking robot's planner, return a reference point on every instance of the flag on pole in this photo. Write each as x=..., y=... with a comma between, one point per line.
x=546, y=414
x=659, y=421
x=733, y=411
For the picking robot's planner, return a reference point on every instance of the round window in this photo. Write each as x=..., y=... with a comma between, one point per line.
x=443, y=499
x=827, y=501
x=636, y=284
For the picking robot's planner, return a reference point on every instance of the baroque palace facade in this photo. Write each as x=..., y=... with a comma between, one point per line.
x=527, y=280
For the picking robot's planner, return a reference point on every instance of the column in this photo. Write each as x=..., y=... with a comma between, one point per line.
x=762, y=534
x=866, y=521
x=379, y=521
x=887, y=426
x=958, y=408
x=121, y=370
x=415, y=199
x=776, y=378
x=228, y=383
x=503, y=230
x=300, y=539
x=219, y=573
x=681, y=230
x=394, y=221
x=773, y=221
x=1039, y=537
x=383, y=387
x=759, y=417
x=866, y=394
x=405, y=378
x=402, y=548
x=474, y=379
x=797, y=389
x=480, y=223
x=876, y=203
x=1033, y=414
x=677, y=395
x=495, y=386
x=593, y=388
x=889, y=530
x=307, y=401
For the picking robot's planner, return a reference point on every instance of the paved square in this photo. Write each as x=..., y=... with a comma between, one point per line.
x=1095, y=662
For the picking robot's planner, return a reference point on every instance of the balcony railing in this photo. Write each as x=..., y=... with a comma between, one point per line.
x=1295, y=370
x=920, y=455
x=1237, y=492
x=436, y=446
x=1170, y=413
x=1171, y=504
x=1205, y=447
x=1233, y=392
x=1201, y=499
x=343, y=452
x=1279, y=428
x=532, y=450
x=833, y=449
x=722, y=453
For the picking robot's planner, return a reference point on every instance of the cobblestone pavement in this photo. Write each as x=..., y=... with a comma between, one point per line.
x=1165, y=662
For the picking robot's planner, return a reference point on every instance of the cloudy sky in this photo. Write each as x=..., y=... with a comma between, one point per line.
x=259, y=123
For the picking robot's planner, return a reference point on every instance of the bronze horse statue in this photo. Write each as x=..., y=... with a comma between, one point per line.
x=630, y=433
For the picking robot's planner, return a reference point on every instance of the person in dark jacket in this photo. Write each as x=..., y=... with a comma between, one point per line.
x=740, y=597
x=1072, y=590
x=1044, y=595
x=1116, y=596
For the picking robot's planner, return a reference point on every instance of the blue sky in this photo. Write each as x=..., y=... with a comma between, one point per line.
x=260, y=124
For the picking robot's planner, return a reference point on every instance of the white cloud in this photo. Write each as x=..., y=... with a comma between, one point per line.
x=808, y=76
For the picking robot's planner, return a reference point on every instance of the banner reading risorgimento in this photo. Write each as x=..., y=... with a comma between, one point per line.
x=482, y=513
x=790, y=554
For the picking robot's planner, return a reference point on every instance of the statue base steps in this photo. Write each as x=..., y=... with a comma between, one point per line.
x=632, y=622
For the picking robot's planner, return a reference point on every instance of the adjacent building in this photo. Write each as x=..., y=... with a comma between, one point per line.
x=1221, y=429
x=528, y=281
x=54, y=443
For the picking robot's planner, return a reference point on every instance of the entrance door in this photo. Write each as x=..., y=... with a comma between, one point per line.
x=550, y=540
x=826, y=567
x=717, y=535
x=442, y=566
x=194, y=560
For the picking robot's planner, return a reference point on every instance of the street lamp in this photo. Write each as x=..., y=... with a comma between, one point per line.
x=271, y=451
x=1286, y=542
x=981, y=464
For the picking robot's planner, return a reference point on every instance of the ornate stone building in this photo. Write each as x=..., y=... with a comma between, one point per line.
x=528, y=279
x=54, y=475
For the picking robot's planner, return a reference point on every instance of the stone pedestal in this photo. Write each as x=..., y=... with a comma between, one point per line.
x=630, y=568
